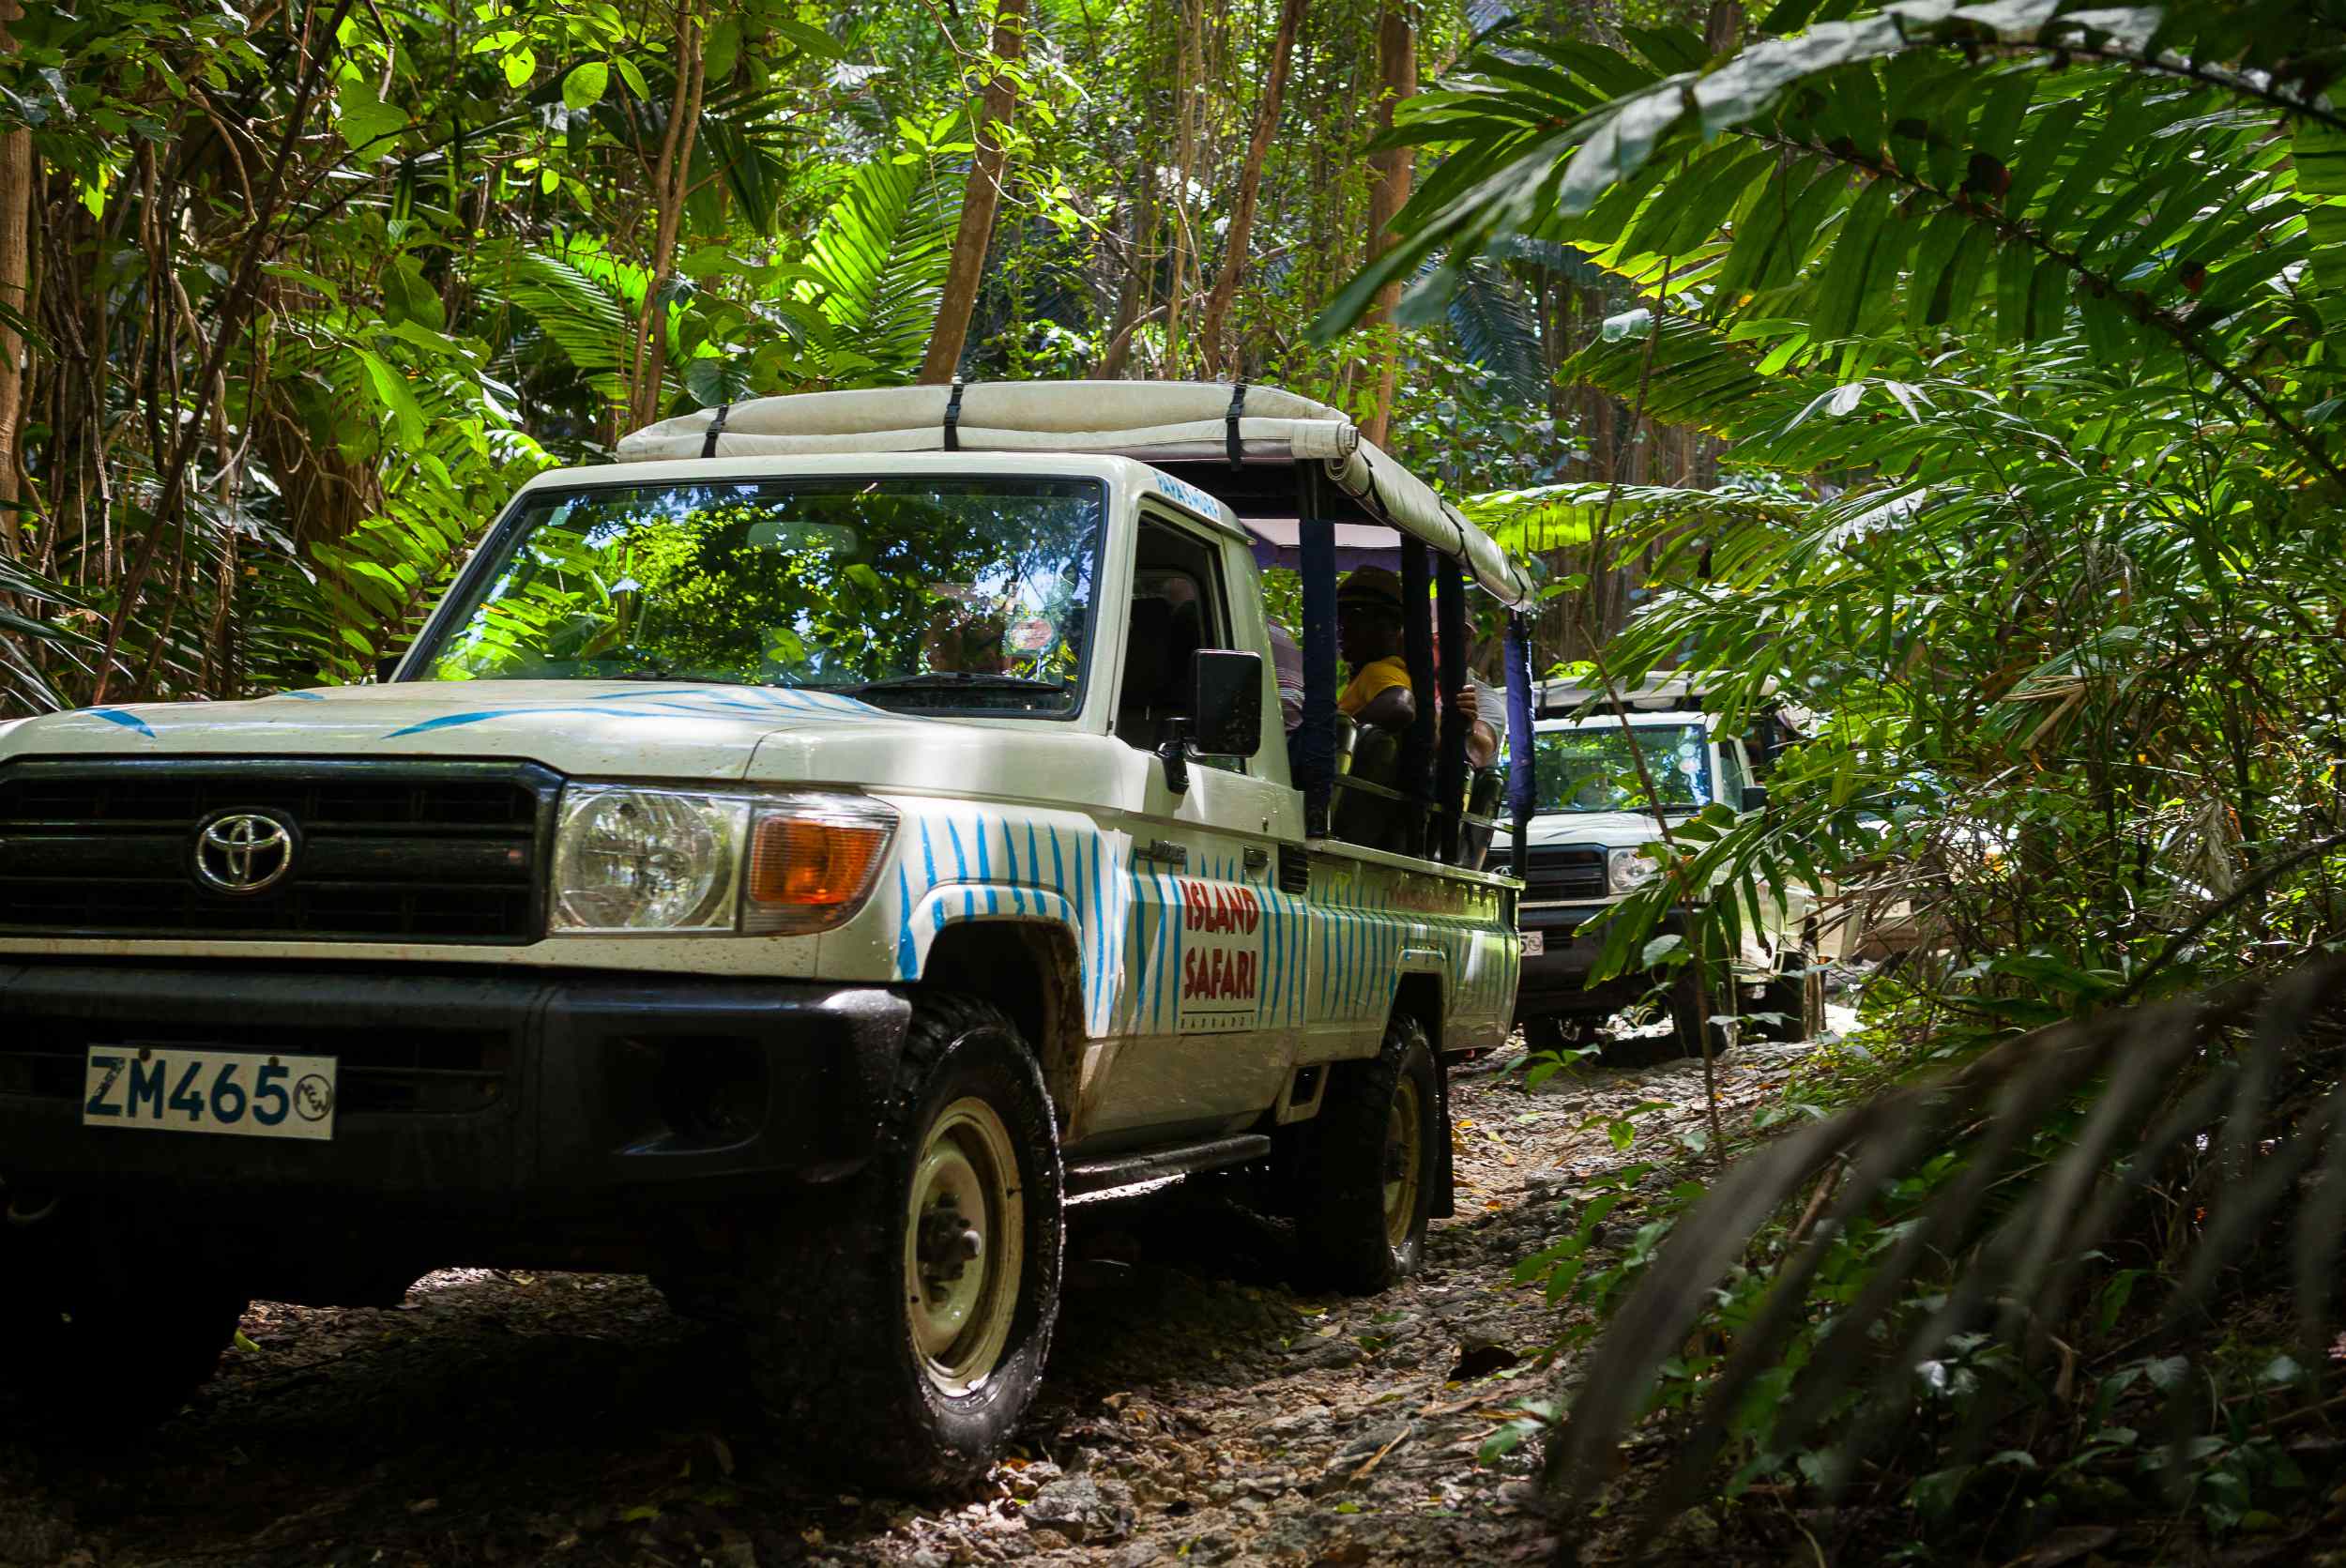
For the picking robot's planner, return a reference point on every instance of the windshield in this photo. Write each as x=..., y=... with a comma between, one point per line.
x=939, y=593
x=1593, y=770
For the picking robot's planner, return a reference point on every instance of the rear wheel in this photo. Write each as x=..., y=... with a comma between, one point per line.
x=1367, y=1173
x=900, y=1337
x=108, y=1324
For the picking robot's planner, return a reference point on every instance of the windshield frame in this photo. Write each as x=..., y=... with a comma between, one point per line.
x=497, y=543
x=1699, y=725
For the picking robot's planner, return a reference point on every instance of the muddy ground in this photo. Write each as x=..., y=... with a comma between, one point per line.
x=1196, y=1406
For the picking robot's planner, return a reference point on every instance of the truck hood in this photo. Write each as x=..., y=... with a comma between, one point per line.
x=625, y=729
x=1613, y=829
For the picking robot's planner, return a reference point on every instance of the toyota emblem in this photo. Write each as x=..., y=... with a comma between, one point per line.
x=243, y=852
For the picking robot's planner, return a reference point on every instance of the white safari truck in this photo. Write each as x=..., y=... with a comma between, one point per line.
x=792, y=862
x=1585, y=852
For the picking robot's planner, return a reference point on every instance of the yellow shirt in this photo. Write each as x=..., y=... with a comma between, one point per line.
x=1370, y=682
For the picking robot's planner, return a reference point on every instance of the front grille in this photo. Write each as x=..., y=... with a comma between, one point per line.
x=413, y=1071
x=440, y=852
x=1558, y=872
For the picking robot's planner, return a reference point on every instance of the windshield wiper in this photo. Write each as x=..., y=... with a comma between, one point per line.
x=945, y=680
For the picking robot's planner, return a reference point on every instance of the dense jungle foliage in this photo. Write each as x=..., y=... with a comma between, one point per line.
x=1970, y=373
x=297, y=293
x=2024, y=323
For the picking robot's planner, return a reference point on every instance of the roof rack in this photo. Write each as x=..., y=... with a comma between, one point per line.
x=1241, y=443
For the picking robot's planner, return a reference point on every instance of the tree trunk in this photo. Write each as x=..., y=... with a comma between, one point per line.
x=978, y=201
x=671, y=181
x=1396, y=71
x=1188, y=112
x=1249, y=185
x=17, y=178
x=1723, y=28
x=1138, y=259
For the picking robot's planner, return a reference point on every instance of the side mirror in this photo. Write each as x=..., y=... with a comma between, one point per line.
x=388, y=665
x=1227, y=699
x=1755, y=798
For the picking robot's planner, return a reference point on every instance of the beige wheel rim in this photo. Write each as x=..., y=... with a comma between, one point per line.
x=1404, y=1157
x=963, y=1246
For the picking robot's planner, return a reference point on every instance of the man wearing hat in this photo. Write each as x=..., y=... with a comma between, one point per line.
x=1370, y=635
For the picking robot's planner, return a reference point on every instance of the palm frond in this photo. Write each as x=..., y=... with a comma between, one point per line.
x=2231, y=1095
x=881, y=252
x=1866, y=180
x=1493, y=323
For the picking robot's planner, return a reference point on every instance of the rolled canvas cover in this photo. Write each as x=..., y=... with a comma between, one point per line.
x=1161, y=420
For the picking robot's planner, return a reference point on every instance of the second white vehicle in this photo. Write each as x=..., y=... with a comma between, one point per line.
x=1599, y=781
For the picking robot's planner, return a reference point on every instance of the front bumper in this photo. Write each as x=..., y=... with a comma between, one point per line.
x=1556, y=981
x=491, y=1093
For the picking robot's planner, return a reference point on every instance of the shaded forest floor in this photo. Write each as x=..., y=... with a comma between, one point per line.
x=1196, y=1406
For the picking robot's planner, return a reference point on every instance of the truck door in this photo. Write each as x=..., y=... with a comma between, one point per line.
x=1205, y=963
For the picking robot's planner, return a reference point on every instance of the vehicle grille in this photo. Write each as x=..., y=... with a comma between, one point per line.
x=441, y=852
x=1558, y=872
x=414, y=1070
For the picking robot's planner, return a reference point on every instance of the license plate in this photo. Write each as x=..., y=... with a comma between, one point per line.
x=173, y=1089
x=1534, y=943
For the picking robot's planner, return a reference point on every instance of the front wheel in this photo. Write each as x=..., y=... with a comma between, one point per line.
x=1695, y=998
x=1369, y=1164
x=1796, y=995
x=902, y=1327
x=109, y=1323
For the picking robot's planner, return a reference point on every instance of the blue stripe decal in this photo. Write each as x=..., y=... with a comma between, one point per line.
x=1010, y=870
x=1100, y=915
x=128, y=720
x=903, y=923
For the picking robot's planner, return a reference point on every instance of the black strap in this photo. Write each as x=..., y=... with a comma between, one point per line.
x=1229, y=424
x=952, y=418
x=716, y=428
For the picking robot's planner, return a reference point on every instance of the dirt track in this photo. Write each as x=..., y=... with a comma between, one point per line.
x=1196, y=1406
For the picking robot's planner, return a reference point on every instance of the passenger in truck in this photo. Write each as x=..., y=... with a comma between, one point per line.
x=1287, y=665
x=1369, y=635
x=1485, y=715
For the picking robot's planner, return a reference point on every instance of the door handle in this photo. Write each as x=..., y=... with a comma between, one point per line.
x=1166, y=850
x=1257, y=857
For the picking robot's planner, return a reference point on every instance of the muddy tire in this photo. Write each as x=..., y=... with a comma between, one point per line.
x=1689, y=1018
x=898, y=1332
x=1369, y=1164
x=1798, y=994
x=109, y=1325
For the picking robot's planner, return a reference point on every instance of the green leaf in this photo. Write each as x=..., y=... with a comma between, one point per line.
x=722, y=49
x=396, y=395
x=520, y=65
x=366, y=122
x=2318, y=150
x=632, y=77
x=813, y=39
x=407, y=297
x=308, y=279
x=583, y=88
x=1840, y=293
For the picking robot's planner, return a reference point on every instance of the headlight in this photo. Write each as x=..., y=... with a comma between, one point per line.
x=1625, y=869
x=628, y=859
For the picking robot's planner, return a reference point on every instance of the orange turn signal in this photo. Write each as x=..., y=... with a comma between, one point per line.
x=802, y=866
